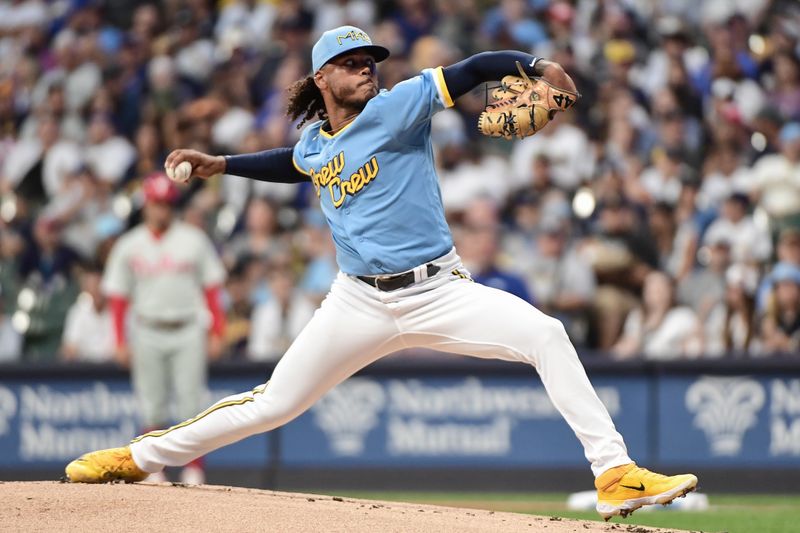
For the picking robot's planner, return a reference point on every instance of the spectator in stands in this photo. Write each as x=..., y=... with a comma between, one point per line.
x=75, y=69
x=749, y=243
x=247, y=22
x=731, y=325
x=238, y=310
x=109, y=155
x=786, y=93
x=562, y=281
x=467, y=174
x=259, y=240
x=478, y=243
x=11, y=248
x=71, y=124
x=47, y=278
x=724, y=173
x=727, y=59
x=413, y=19
x=320, y=257
x=662, y=181
x=659, y=329
x=621, y=253
x=88, y=331
x=704, y=288
x=788, y=252
x=35, y=168
x=663, y=227
x=780, y=325
x=566, y=146
x=149, y=150
x=47, y=260
x=10, y=339
x=776, y=180
x=278, y=321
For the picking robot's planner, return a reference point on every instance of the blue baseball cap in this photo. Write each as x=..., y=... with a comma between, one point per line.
x=784, y=271
x=790, y=132
x=343, y=39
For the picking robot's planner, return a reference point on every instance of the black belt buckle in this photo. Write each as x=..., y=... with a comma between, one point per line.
x=393, y=283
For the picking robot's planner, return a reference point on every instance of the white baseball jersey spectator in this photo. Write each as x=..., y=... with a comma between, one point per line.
x=89, y=331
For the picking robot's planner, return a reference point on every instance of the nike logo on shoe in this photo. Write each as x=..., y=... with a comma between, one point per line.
x=640, y=488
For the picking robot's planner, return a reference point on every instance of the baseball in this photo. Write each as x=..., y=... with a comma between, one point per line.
x=181, y=173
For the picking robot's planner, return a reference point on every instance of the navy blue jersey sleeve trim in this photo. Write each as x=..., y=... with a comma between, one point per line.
x=465, y=75
x=274, y=165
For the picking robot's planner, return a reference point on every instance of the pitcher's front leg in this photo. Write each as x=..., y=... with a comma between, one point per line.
x=472, y=319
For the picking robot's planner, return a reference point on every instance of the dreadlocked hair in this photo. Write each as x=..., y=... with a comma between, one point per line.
x=305, y=101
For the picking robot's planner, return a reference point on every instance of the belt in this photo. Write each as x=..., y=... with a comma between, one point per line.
x=392, y=283
x=163, y=324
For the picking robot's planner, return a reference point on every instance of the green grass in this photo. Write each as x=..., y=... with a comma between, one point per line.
x=729, y=513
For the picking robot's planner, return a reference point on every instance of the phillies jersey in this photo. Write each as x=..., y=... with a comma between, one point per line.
x=163, y=276
x=376, y=180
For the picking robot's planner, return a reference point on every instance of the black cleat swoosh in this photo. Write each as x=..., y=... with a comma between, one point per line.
x=640, y=488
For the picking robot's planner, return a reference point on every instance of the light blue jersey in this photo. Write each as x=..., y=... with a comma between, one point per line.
x=376, y=179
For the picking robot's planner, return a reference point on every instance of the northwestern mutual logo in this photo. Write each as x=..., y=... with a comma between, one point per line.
x=348, y=412
x=725, y=408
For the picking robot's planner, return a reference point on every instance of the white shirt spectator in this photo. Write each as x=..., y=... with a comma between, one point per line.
x=717, y=187
x=18, y=15
x=10, y=341
x=748, y=241
x=63, y=158
x=360, y=13
x=271, y=332
x=89, y=332
x=550, y=277
x=778, y=180
x=471, y=180
x=230, y=129
x=661, y=188
x=80, y=83
x=670, y=339
x=20, y=159
x=252, y=24
x=111, y=159
x=568, y=149
x=196, y=60
x=652, y=77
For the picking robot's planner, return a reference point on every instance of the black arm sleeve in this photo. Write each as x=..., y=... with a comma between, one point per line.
x=465, y=75
x=270, y=165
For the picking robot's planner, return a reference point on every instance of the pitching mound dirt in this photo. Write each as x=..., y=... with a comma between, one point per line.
x=51, y=506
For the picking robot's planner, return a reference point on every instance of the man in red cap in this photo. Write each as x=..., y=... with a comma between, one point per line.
x=166, y=272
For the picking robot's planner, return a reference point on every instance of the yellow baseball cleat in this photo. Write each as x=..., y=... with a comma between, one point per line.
x=105, y=466
x=623, y=489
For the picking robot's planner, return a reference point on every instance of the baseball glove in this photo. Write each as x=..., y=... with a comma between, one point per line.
x=522, y=106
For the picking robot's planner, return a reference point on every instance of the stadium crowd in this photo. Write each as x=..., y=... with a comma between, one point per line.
x=658, y=219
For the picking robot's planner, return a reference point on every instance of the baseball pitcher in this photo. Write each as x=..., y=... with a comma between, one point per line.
x=165, y=271
x=401, y=283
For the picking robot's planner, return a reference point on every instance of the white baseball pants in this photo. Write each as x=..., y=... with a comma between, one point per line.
x=358, y=324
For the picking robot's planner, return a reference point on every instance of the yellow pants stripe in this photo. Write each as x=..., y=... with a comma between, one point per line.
x=460, y=274
x=213, y=408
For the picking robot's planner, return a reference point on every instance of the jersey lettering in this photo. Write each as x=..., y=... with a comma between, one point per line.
x=328, y=172
x=164, y=265
x=329, y=176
